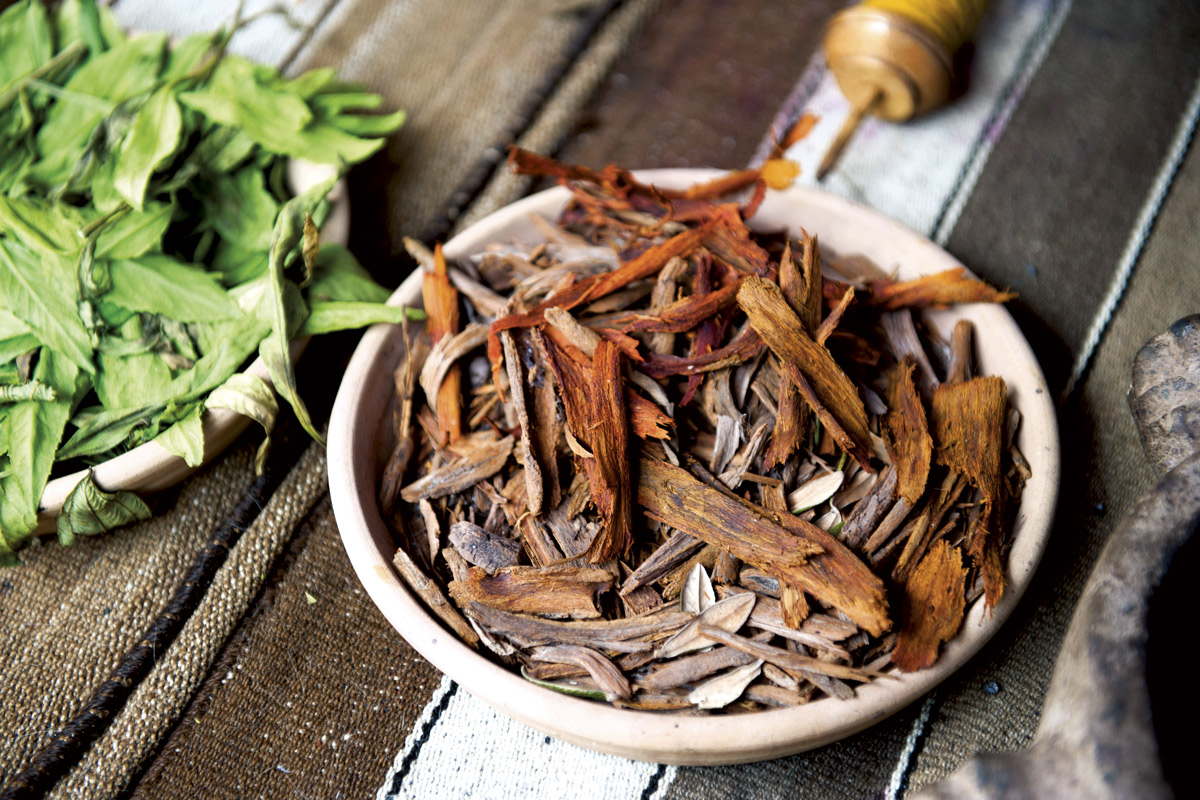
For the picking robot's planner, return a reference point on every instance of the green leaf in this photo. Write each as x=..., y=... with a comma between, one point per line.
x=15, y=337
x=41, y=292
x=252, y=397
x=135, y=233
x=89, y=510
x=564, y=688
x=132, y=380
x=34, y=431
x=159, y=284
x=151, y=141
x=24, y=41
x=241, y=209
x=187, y=53
x=42, y=225
x=185, y=438
x=276, y=306
x=236, y=97
x=341, y=316
x=338, y=276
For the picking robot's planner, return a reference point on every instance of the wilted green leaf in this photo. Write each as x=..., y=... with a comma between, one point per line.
x=340, y=316
x=159, y=284
x=150, y=142
x=41, y=292
x=89, y=510
x=564, y=688
x=249, y=396
x=135, y=233
x=41, y=225
x=185, y=438
x=339, y=276
x=24, y=41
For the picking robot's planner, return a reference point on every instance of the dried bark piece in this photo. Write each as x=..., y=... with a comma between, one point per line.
x=441, y=308
x=784, y=659
x=545, y=421
x=608, y=472
x=793, y=605
x=745, y=347
x=960, y=353
x=682, y=315
x=602, y=670
x=968, y=424
x=678, y=548
x=483, y=549
x=623, y=635
x=433, y=598
x=724, y=689
x=445, y=354
x=516, y=381
x=933, y=607
x=935, y=291
x=555, y=591
x=486, y=459
x=665, y=287
x=906, y=433
x=831, y=394
x=580, y=336
x=904, y=343
x=542, y=549
x=729, y=614
x=830, y=323
x=404, y=378
x=689, y=669
x=780, y=544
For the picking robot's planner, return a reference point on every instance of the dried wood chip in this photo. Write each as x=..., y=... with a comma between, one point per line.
x=935, y=291
x=968, y=425
x=602, y=670
x=724, y=689
x=687, y=670
x=809, y=366
x=608, y=472
x=433, y=598
x=933, y=608
x=487, y=459
x=906, y=433
x=484, y=549
x=781, y=658
x=555, y=591
x=441, y=308
x=667, y=557
x=447, y=351
x=622, y=635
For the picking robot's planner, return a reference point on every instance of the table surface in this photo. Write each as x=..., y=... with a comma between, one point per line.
x=226, y=649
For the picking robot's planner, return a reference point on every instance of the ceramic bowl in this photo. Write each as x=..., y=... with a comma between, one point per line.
x=148, y=467
x=360, y=440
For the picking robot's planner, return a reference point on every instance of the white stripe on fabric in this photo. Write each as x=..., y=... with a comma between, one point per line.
x=414, y=737
x=1137, y=237
x=473, y=751
x=910, y=745
x=908, y=170
x=270, y=39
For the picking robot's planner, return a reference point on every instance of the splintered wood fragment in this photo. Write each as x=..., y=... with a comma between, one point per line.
x=745, y=347
x=622, y=635
x=608, y=472
x=933, y=606
x=556, y=591
x=545, y=421
x=784, y=659
x=968, y=431
x=960, y=353
x=672, y=585
x=813, y=632
x=790, y=424
x=722, y=690
x=682, y=315
x=793, y=605
x=830, y=323
x=641, y=600
x=689, y=669
x=676, y=498
x=935, y=291
x=602, y=670
x=663, y=295
x=729, y=614
x=666, y=558
x=441, y=308
x=534, y=487
x=889, y=525
x=780, y=544
x=582, y=337
x=774, y=696
x=906, y=432
x=487, y=458
x=445, y=354
x=904, y=342
x=809, y=366
x=539, y=544
x=433, y=598
x=404, y=377
x=737, y=467
x=727, y=568
x=484, y=549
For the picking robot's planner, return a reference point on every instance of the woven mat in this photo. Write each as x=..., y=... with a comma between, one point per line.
x=184, y=657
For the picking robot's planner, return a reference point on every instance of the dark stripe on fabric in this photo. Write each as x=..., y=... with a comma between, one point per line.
x=54, y=760
x=1053, y=208
x=1004, y=98
x=411, y=757
x=655, y=780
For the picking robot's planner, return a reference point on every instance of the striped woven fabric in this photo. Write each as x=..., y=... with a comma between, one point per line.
x=186, y=656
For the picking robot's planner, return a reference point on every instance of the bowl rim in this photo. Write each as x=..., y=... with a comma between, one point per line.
x=651, y=736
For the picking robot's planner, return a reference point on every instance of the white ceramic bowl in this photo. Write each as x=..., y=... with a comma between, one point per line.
x=360, y=440
x=150, y=468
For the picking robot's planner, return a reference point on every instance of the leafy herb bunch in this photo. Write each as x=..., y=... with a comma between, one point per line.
x=149, y=245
